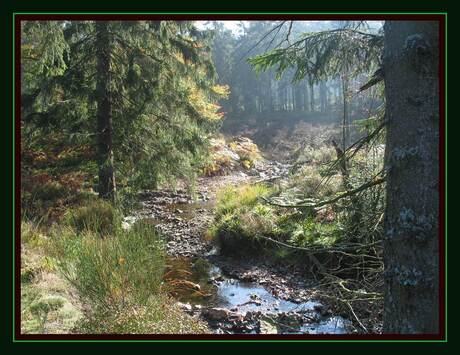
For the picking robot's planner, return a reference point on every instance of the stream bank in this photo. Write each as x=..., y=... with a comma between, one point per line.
x=233, y=296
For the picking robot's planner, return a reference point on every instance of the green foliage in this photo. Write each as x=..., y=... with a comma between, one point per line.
x=162, y=90
x=30, y=234
x=240, y=218
x=43, y=48
x=308, y=232
x=114, y=272
x=111, y=285
x=316, y=155
x=47, y=302
x=51, y=191
x=310, y=180
x=42, y=307
x=244, y=222
x=96, y=216
x=325, y=54
x=119, y=279
x=233, y=198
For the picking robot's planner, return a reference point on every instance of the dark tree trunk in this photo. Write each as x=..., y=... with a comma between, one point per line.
x=104, y=113
x=345, y=119
x=312, y=97
x=270, y=96
x=338, y=92
x=307, y=98
x=411, y=224
x=323, y=96
x=297, y=100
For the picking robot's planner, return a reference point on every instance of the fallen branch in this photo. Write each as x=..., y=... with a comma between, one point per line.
x=376, y=181
x=356, y=317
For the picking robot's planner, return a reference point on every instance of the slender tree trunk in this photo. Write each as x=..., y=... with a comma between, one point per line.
x=269, y=96
x=338, y=92
x=323, y=96
x=411, y=252
x=302, y=96
x=104, y=113
x=296, y=99
x=307, y=98
x=312, y=98
x=345, y=120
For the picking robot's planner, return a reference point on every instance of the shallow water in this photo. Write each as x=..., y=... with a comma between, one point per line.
x=332, y=325
x=196, y=281
x=233, y=293
x=246, y=297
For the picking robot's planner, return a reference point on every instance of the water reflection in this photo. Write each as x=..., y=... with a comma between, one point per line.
x=209, y=288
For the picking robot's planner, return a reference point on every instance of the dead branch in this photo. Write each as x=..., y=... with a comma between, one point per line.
x=374, y=182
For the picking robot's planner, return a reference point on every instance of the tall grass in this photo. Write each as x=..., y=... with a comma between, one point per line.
x=119, y=280
x=112, y=272
x=232, y=198
x=97, y=216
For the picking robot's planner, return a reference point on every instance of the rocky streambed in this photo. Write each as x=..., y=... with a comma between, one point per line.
x=232, y=295
x=234, y=305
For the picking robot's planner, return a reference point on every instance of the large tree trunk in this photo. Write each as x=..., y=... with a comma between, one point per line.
x=104, y=113
x=412, y=209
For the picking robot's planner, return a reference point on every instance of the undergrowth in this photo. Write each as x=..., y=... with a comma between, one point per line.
x=87, y=275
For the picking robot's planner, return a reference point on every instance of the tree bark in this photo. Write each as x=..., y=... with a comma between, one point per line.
x=345, y=120
x=312, y=97
x=107, y=187
x=411, y=252
x=306, y=98
x=323, y=96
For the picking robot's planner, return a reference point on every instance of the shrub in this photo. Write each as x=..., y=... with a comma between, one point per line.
x=42, y=307
x=258, y=221
x=312, y=183
x=30, y=234
x=308, y=232
x=241, y=218
x=50, y=191
x=113, y=272
x=231, y=198
x=321, y=155
x=119, y=279
x=247, y=151
x=97, y=216
x=39, y=199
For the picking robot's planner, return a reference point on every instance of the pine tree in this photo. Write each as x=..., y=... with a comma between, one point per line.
x=410, y=65
x=142, y=94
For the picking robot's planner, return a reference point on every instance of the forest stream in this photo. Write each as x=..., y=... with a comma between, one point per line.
x=232, y=295
x=286, y=176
